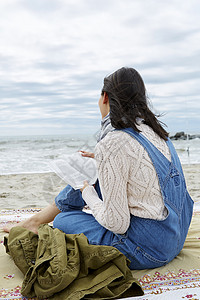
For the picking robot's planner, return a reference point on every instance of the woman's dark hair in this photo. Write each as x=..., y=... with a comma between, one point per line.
x=128, y=101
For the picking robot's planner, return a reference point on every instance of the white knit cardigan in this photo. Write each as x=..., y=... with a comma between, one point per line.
x=128, y=181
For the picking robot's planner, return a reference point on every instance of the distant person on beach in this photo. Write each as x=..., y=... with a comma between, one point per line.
x=140, y=204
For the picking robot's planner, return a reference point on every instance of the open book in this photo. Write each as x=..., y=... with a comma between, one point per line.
x=75, y=169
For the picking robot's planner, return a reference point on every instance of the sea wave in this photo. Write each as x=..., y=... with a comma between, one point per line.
x=33, y=154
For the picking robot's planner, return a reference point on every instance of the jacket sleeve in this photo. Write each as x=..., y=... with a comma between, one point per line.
x=113, y=212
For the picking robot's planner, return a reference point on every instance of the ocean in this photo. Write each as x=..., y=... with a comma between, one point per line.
x=33, y=154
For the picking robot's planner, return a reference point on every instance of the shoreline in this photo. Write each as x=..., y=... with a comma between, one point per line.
x=48, y=172
x=25, y=173
x=37, y=190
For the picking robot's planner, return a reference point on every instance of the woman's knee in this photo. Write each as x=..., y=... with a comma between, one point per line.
x=58, y=222
x=68, y=221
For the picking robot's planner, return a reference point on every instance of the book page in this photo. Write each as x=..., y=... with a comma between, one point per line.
x=75, y=169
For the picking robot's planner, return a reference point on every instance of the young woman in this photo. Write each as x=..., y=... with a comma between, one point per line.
x=142, y=206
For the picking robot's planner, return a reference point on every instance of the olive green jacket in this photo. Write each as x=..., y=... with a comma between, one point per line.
x=64, y=266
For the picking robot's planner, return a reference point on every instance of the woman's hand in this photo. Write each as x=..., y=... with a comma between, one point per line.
x=87, y=154
x=84, y=186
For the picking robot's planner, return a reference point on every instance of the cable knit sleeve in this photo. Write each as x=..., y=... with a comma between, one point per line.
x=113, y=212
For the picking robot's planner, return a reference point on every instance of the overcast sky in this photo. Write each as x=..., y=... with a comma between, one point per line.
x=54, y=55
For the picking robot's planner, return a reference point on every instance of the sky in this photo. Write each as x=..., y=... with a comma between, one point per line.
x=54, y=55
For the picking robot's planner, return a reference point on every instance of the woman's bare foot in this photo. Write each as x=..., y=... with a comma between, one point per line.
x=29, y=224
x=45, y=216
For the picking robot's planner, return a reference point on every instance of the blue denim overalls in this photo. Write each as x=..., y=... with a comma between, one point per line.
x=147, y=243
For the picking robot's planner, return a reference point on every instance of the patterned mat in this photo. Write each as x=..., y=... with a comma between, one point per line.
x=180, y=279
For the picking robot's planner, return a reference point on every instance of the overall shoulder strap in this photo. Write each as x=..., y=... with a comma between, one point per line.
x=149, y=147
x=158, y=159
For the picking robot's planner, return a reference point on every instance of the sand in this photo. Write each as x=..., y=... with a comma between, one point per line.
x=192, y=176
x=29, y=190
x=39, y=189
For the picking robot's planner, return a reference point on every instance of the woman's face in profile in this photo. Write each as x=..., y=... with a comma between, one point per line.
x=100, y=103
x=104, y=105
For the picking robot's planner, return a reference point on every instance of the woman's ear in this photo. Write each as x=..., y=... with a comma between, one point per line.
x=105, y=98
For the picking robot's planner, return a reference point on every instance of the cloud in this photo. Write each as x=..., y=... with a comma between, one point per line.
x=55, y=54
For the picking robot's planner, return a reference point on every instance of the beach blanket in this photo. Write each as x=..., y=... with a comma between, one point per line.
x=180, y=279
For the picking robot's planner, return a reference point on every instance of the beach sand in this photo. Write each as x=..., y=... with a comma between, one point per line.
x=39, y=189
x=35, y=190
x=31, y=191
